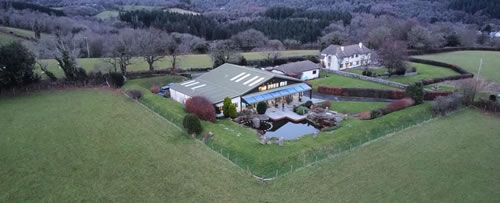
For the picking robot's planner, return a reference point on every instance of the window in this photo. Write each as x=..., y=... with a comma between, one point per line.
x=357, y=62
x=314, y=72
x=236, y=104
x=350, y=64
x=284, y=83
x=355, y=56
x=262, y=88
x=346, y=65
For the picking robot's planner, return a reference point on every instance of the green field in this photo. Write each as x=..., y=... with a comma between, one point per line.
x=470, y=60
x=424, y=72
x=197, y=61
x=113, y=13
x=342, y=81
x=9, y=34
x=96, y=145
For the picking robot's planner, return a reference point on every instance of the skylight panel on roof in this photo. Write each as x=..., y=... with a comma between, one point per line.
x=193, y=88
x=243, y=78
x=239, y=75
x=249, y=81
x=191, y=84
x=191, y=81
x=255, y=82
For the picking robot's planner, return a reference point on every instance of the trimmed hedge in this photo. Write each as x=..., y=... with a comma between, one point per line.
x=375, y=93
x=282, y=60
x=449, y=49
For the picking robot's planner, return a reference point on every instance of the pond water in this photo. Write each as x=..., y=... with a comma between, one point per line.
x=289, y=130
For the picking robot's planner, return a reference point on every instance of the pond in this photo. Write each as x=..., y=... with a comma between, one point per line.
x=287, y=129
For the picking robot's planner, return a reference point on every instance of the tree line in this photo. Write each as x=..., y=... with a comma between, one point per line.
x=489, y=7
x=34, y=7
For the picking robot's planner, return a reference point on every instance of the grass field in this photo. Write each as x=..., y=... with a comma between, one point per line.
x=9, y=34
x=341, y=81
x=200, y=60
x=469, y=60
x=113, y=13
x=96, y=145
x=424, y=72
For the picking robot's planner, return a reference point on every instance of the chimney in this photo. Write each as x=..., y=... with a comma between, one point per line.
x=361, y=45
x=342, y=48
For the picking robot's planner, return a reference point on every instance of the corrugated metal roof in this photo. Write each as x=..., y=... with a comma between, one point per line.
x=227, y=80
x=297, y=67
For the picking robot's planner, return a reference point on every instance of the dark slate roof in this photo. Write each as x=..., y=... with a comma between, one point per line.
x=227, y=80
x=297, y=67
x=350, y=50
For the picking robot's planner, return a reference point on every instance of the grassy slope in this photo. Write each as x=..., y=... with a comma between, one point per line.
x=469, y=60
x=201, y=60
x=355, y=107
x=122, y=152
x=87, y=145
x=337, y=80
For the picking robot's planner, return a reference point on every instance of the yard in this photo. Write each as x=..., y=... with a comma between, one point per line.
x=355, y=107
x=240, y=144
x=96, y=145
x=469, y=60
x=342, y=81
x=187, y=61
x=424, y=72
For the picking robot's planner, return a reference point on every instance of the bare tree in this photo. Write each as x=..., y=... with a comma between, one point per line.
x=176, y=47
x=419, y=38
x=123, y=48
x=394, y=55
x=272, y=50
x=250, y=39
x=223, y=52
x=469, y=89
x=152, y=46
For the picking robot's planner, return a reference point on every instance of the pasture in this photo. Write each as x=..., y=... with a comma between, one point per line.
x=186, y=61
x=470, y=60
x=97, y=145
x=342, y=81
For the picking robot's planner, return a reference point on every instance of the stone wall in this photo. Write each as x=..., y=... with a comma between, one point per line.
x=366, y=78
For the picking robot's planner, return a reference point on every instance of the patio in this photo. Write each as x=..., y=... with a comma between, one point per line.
x=278, y=113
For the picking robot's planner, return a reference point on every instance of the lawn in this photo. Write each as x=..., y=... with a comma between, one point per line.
x=349, y=107
x=96, y=145
x=240, y=143
x=424, y=72
x=342, y=81
x=198, y=60
x=469, y=60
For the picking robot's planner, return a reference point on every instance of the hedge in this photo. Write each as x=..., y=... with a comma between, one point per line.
x=281, y=61
x=375, y=93
x=449, y=49
x=463, y=73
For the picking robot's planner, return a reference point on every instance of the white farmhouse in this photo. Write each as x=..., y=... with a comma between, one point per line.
x=344, y=57
x=304, y=70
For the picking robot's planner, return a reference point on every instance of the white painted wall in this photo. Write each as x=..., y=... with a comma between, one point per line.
x=236, y=101
x=179, y=97
x=332, y=62
x=309, y=75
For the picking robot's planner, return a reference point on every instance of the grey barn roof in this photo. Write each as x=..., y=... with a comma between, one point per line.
x=227, y=80
x=350, y=50
x=297, y=67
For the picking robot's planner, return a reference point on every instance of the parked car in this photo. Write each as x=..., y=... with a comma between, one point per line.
x=164, y=91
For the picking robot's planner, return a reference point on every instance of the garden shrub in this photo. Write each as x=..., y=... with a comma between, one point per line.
x=376, y=113
x=155, y=89
x=192, y=124
x=135, y=94
x=429, y=96
x=308, y=104
x=232, y=111
x=261, y=107
x=488, y=105
x=493, y=97
x=201, y=107
x=416, y=92
x=115, y=79
x=365, y=115
x=443, y=105
x=225, y=107
x=301, y=110
x=413, y=69
x=400, y=104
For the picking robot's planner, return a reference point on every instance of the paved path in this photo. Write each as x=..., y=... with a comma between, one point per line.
x=340, y=98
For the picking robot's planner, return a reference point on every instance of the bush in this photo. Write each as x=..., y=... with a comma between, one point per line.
x=308, y=104
x=488, y=105
x=232, y=111
x=135, y=94
x=368, y=73
x=301, y=110
x=416, y=92
x=115, y=79
x=376, y=113
x=400, y=104
x=443, y=105
x=155, y=89
x=17, y=65
x=201, y=107
x=192, y=124
x=225, y=106
x=413, y=69
x=261, y=107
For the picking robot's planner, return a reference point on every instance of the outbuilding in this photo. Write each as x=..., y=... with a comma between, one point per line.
x=244, y=85
x=304, y=70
